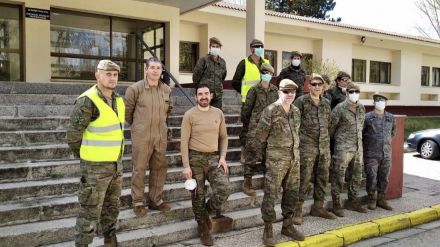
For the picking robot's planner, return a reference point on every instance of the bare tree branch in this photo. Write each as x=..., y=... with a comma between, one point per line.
x=430, y=10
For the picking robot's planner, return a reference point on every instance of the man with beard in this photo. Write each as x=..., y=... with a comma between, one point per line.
x=277, y=131
x=203, y=146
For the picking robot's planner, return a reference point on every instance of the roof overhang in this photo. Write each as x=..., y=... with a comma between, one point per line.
x=183, y=6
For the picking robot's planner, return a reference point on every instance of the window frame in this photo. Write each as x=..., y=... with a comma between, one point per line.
x=380, y=64
x=435, y=83
x=274, y=56
x=364, y=70
x=196, y=55
x=428, y=79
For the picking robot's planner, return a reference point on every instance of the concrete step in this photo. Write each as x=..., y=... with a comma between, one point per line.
x=62, y=122
x=61, y=230
x=63, y=205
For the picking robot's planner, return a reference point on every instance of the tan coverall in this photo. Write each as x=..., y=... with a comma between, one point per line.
x=147, y=109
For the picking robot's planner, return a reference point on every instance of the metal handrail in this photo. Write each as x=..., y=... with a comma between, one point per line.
x=139, y=38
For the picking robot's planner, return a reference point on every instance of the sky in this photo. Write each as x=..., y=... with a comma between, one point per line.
x=400, y=16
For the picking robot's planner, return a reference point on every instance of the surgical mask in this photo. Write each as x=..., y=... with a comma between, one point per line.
x=266, y=77
x=379, y=105
x=215, y=51
x=353, y=97
x=296, y=62
x=344, y=89
x=259, y=51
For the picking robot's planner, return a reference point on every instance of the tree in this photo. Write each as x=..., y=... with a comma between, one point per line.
x=430, y=10
x=308, y=8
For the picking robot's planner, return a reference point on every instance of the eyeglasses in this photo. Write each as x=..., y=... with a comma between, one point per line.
x=257, y=46
x=353, y=91
x=265, y=72
x=345, y=80
x=314, y=84
x=288, y=91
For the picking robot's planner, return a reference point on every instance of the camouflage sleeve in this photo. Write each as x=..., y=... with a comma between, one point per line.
x=394, y=128
x=225, y=73
x=297, y=117
x=263, y=128
x=130, y=99
x=334, y=120
x=79, y=120
x=248, y=107
x=299, y=104
x=198, y=71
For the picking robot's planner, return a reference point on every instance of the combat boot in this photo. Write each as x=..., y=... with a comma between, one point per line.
x=372, y=200
x=318, y=210
x=297, y=218
x=111, y=241
x=290, y=231
x=268, y=237
x=337, y=208
x=381, y=202
x=354, y=205
x=205, y=236
x=247, y=186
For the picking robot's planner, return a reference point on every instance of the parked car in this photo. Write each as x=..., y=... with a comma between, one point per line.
x=426, y=142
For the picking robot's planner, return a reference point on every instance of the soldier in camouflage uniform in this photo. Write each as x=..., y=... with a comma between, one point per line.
x=258, y=97
x=379, y=129
x=101, y=181
x=203, y=145
x=346, y=124
x=315, y=148
x=211, y=70
x=337, y=94
x=277, y=131
x=294, y=72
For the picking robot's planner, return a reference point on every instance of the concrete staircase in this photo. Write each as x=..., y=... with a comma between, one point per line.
x=39, y=177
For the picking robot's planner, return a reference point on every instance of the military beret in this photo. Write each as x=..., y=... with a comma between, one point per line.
x=267, y=67
x=108, y=65
x=295, y=53
x=255, y=42
x=352, y=85
x=377, y=96
x=342, y=74
x=215, y=40
x=317, y=77
x=288, y=84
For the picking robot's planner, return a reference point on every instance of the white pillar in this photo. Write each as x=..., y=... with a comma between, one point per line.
x=255, y=21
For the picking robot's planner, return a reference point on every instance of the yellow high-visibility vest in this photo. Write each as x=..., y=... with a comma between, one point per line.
x=103, y=139
x=251, y=77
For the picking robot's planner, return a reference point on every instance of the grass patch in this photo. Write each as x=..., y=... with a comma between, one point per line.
x=413, y=124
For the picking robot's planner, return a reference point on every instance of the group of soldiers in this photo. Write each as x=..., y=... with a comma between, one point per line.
x=299, y=141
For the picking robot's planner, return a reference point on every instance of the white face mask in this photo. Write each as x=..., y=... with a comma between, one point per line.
x=354, y=97
x=379, y=105
x=296, y=62
x=215, y=51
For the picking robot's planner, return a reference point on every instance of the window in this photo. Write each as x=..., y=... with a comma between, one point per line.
x=10, y=43
x=380, y=72
x=425, y=76
x=306, y=61
x=436, y=77
x=271, y=55
x=189, y=53
x=79, y=41
x=359, y=70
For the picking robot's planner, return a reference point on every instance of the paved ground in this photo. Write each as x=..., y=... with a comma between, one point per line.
x=419, y=192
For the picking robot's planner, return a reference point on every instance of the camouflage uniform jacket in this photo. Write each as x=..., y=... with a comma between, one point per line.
x=83, y=113
x=314, y=122
x=346, y=127
x=298, y=75
x=256, y=100
x=278, y=130
x=335, y=96
x=210, y=72
x=377, y=135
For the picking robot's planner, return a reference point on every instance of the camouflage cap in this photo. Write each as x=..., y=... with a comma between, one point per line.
x=377, y=96
x=288, y=84
x=352, y=85
x=108, y=65
x=296, y=53
x=317, y=77
x=255, y=42
x=215, y=40
x=342, y=74
x=266, y=67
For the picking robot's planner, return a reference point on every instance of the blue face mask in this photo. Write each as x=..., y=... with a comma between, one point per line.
x=259, y=51
x=266, y=77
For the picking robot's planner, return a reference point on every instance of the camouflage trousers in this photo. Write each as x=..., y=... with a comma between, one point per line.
x=251, y=155
x=204, y=166
x=217, y=100
x=282, y=171
x=314, y=170
x=244, y=129
x=377, y=170
x=99, y=192
x=346, y=167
